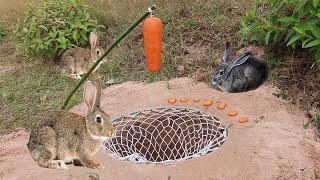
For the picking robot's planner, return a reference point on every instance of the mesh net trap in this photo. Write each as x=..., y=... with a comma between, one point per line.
x=165, y=135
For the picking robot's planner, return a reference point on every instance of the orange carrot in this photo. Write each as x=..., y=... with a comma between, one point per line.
x=196, y=100
x=172, y=100
x=222, y=105
x=152, y=34
x=183, y=100
x=207, y=102
x=232, y=113
x=243, y=119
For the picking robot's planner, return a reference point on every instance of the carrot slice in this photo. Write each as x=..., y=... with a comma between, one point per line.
x=232, y=113
x=207, y=102
x=196, y=100
x=243, y=119
x=172, y=100
x=183, y=100
x=222, y=105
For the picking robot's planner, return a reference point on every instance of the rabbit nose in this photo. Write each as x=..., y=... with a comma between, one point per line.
x=214, y=81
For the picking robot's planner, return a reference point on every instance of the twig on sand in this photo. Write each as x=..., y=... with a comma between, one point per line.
x=256, y=122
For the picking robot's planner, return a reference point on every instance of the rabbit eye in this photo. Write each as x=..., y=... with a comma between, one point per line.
x=221, y=73
x=98, y=119
x=98, y=52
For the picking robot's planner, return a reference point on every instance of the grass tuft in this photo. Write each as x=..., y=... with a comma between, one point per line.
x=29, y=87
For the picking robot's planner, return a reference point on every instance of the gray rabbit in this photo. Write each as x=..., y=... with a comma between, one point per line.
x=244, y=73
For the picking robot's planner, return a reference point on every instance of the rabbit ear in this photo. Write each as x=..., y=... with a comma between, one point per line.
x=98, y=89
x=226, y=53
x=241, y=59
x=93, y=38
x=92, y=95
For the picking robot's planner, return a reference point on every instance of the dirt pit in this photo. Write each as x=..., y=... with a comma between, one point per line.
x=271, y=145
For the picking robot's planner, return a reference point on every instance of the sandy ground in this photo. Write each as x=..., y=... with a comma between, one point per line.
x=272, y=145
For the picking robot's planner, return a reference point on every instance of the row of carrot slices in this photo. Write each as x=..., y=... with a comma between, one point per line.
x=209, y=102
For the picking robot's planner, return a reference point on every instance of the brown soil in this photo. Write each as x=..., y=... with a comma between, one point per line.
x=272, y=145
x=10, y=58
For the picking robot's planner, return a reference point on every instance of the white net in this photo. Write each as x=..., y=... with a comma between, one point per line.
x=165, y=135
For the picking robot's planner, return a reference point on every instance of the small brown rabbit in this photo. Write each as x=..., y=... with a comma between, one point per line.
x=64, y=137
x=75, y=62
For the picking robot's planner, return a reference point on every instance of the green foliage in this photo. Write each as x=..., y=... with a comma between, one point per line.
x=293, y=22
x=54, y=26
x=21, y=107
x=314, y=118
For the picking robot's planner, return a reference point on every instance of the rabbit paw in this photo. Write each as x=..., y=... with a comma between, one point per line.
x=96, y=166
x=58, y=164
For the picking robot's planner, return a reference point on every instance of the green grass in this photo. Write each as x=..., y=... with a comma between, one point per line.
x=316, y=117
x=194, y=35
x=291, y=72
x=28, y=90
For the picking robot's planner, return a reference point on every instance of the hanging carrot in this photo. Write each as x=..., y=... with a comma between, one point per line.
x=152, y=34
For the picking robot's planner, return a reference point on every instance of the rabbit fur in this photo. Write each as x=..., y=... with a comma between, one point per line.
x=64, y=137
x=75, y=62
x=242, y=74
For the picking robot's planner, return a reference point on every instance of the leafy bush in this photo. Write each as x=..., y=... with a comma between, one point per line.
x=294, y=22
x=54, y=26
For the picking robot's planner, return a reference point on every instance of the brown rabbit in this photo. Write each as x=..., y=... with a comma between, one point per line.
x=64, y=137
x=75, y=62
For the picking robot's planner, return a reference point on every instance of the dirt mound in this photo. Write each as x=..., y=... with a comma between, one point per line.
x=272, y=145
